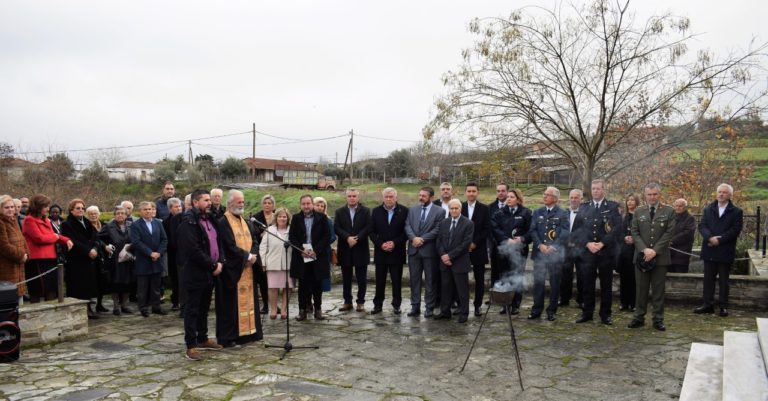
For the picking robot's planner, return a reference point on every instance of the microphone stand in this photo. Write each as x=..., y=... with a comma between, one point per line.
x=287, y=346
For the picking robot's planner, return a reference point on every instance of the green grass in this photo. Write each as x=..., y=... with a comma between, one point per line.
x=746, y=154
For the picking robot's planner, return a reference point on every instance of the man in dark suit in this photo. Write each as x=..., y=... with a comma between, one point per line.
x=217, y=209
x=720, y=226
x=148, y=243
x=388, y=237
x=352, y=223
x=572, y=253
x=170, y=224
x=596, y=228
x=421, y=228
x=479, y=214
x=201, y=259
x=549, y=233
x=310, y=231
x=453, y=240
x=493, y=207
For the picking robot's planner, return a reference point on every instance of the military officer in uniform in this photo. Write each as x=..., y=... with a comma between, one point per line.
x=549, y=231
x=596, y=226
x=652, y=229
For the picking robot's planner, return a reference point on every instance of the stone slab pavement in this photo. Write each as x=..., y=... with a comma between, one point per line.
x=373, y=357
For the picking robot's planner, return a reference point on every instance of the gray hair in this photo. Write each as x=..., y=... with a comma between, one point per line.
x=389, y=190
x=351, y=190
x=119, y=208
x=232, y=193
x=728, y=186
x=125, y=204
x=145, y=203
x=172, y=202
x=454, y=202
x=217, y=191
x=93, y=208
x=683, y=201
x=653, y=185
x=578, y=191
x=554, y=190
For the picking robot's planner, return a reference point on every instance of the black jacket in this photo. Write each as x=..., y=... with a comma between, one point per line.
x=360, y=254
x=504, y=222
x=682, y=238
x=598, y=225
x=321, y=242
x=383, y=231
x=194, y=251
x=481, y=218
x=728, y=227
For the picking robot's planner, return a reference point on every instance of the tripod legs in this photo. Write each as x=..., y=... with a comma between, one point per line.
x=514, y=345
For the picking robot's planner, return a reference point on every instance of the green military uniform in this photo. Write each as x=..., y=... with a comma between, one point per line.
x=655, y=234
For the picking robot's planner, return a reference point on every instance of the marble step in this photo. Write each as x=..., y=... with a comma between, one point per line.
x=762, y=335
x=744, y=375
x=703, y=374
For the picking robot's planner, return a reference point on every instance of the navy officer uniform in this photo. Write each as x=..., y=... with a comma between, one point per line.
x=549, y=226
x=597, y=222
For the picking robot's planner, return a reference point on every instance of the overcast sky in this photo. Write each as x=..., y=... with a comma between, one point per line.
x=89, y=74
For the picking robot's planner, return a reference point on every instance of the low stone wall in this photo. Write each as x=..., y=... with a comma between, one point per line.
x=52, y=321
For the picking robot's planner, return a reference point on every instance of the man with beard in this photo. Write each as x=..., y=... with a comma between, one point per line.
x=237, y=305
x=202, y=258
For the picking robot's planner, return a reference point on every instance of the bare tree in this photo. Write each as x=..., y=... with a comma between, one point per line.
x=592, y=82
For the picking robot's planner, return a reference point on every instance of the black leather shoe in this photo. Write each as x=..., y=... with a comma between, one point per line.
x=302, y=315
x=551, y=317
x=463, y=319
x=514, y=311
x=442, y=316
x=397, y=311
x=659, y=326
x=704, y=309
x=376, y=311
x=563, y=303
x=607, y=321
x=126, y=310
x=503, y=310
x=477, y=311
x=159, y=311
x=428, y=314
x=413, y=313
x=584, y=319
x=101, y=309
x=145, y=313
x=116, y=312
x=723, y=312
x=319, y=314
x=635, y=323
x=264, y=310
x=175, y=307
x=534, y=316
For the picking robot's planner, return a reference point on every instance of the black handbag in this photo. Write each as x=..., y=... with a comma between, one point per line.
x=642, y=264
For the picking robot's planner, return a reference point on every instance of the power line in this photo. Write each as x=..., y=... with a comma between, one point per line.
x=386, y=139
x=134, y=146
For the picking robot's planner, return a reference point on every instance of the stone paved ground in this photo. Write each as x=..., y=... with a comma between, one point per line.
x=365, y=357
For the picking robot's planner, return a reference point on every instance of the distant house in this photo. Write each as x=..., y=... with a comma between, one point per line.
x=15, y=167
x=141, y=171
x=271, y=170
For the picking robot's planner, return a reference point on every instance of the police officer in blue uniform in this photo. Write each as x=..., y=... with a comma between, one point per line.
x=596, y=228
x=549, y=231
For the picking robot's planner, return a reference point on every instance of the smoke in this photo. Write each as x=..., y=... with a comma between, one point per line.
x=514, y=278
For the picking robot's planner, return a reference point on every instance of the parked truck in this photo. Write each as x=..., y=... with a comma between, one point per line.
x=306, y=179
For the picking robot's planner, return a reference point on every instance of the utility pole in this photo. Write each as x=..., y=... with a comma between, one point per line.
x=191, y=160
x=351, y=147
x=253, y=157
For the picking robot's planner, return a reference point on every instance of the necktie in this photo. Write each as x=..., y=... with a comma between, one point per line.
x=653, y=211
x=423, y=214
x=450, y=233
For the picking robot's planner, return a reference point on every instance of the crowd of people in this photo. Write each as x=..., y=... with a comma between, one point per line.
x=198, y=246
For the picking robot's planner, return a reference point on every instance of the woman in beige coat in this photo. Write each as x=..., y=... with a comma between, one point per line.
x=274, y=257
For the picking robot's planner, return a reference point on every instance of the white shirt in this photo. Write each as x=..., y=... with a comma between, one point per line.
x=572, y=218
x=721, y=209
x=149, y=225
x=471, y=209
